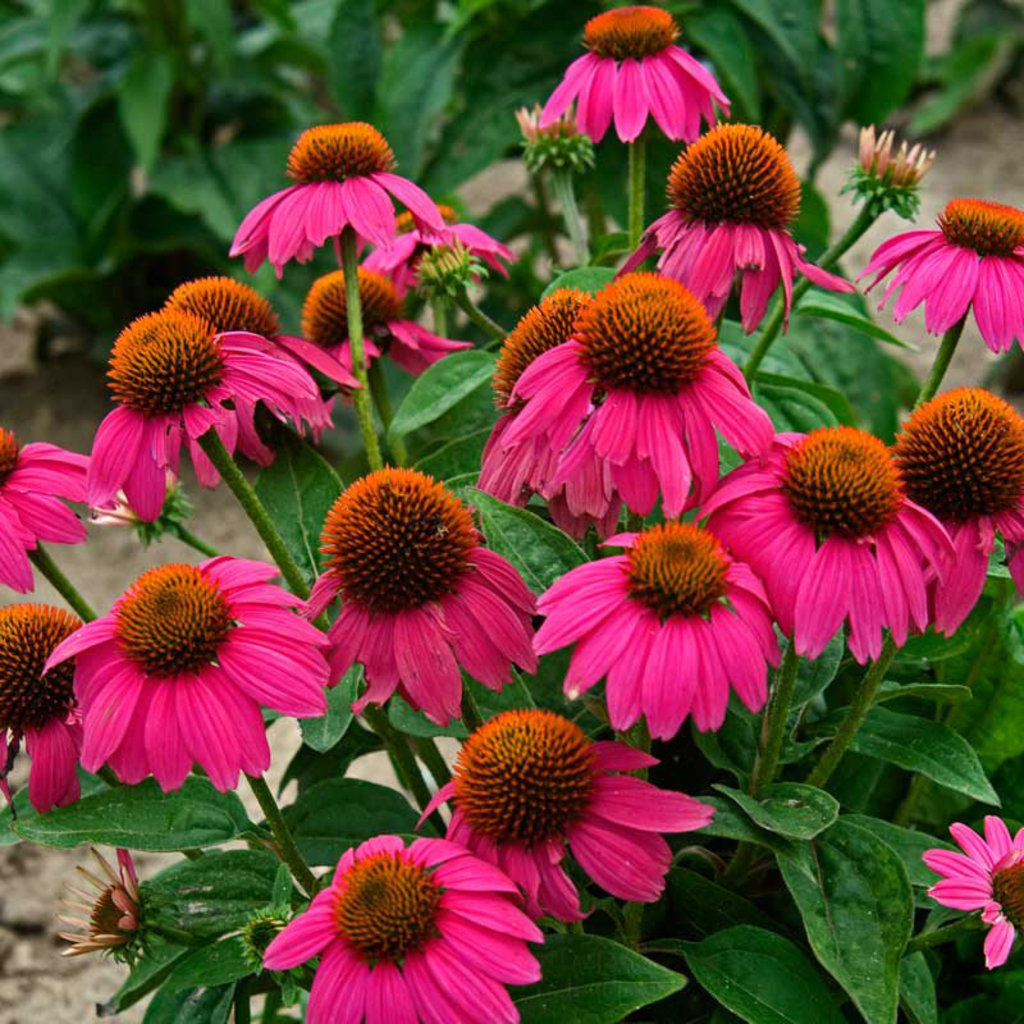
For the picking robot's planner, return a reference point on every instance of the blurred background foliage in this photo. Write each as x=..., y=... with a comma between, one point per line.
x=136, y=133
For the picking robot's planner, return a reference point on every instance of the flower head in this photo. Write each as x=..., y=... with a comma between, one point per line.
x=177, y=671
x=732, y=196
x=529, y=782
x=402, y=259
x=557, y=145
x=887, y=182
x=988, y=876
x=961, y=457
x=630, y=404
x=325, y=323
x=826, y=523
x=33, y=480
x=674, y=624
x=37, y=704
x=417, y=934
x=112, y=909
x=975, y=260
x=344, y=179
x=420, y=595
x=174, y=379
x=634, y=70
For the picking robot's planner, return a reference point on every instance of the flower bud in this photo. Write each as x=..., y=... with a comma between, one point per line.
x=558, y=146
x=888, y=181
x=446, y=270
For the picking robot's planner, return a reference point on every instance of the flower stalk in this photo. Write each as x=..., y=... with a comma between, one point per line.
x=286, y=848
x=947, y=347
x=48, y=567
x=637, y=188
x=566, y=195
x=773, y=733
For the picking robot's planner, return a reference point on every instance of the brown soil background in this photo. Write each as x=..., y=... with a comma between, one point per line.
x=63, y=401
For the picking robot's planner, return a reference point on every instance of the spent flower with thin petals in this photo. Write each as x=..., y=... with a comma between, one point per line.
x=107, y=919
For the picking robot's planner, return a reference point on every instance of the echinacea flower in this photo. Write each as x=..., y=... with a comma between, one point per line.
x=633, y=70
x=825, y=522
x=343, y=178
x=38, y=704
x=232, y=306
x=674, y=624
x=409, y=344
x=633, y=400
x=424, y=934
x=400, y=258
x=420, y=595
x=974, y=261
x=961, y=456
x=177, y=671
x=112, y=909
x=33, y=480
x=513, y=473
x=733, y=195
x=175, y=378
x=988, y=876
x=529, y=782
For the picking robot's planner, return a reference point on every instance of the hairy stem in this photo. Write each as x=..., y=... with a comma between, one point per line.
x=286, y=848
x=186, y=536
x=379, y=387
x=637, y=186
x=774, y=730
x=941, y=364
x=566, y=193
x=48, y=567
x=479, y=317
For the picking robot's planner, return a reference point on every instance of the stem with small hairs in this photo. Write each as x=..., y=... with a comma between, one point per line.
x=479, y=317
x=286, y=848
x=186, y=536
x=439, y=311
x=566, y=194
x=48, y=567
x=637, y=188
x=948, y=933
x=941, y=364
x=396, y=445
x=775, y=720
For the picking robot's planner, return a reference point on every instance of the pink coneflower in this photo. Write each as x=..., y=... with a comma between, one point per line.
x=175, y=379
x=733, y=195
x=410, y=345
x=673, y=624
x=420, y=595
x=975, y=259
x=529, y=782
x=232, y=306
x=400, y=258
x=424, y=934
x=638, y=393
x=825, y=522
x=514, y=472
x=961, y=456
x=634, y=70
x=38, y=705
x=112, y=910
x=33, y=480
x=988, y=876
x=344, y=179
x=176, y=673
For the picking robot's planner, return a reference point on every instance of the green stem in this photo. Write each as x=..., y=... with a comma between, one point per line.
x=270, y=1006
x=439, y=311
x=546, y=231
x=354, y=311
x=286, y=848
x=948, y=933
x=634, y=521
x=106, y=773
x=864, y=219
x=380, y=395
x=479, y=317
x=186, y=536
x=243, y=1011
x=566, y=194
x=775, y=720
x=942, y=359
x=175, y=935
x=637, y=187
x=863, y=698
x=428, y=753
x=253, y=508
x=470, y=714
x=48, y=567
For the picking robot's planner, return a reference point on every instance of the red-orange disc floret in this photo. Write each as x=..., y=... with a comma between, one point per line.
x=333, y=152
x=637, y=32
x=325, y=311
x=735, y=174
x=524, y=776
x=9, y=448
x=226, y=303
x=405, y=221
x=990, y=229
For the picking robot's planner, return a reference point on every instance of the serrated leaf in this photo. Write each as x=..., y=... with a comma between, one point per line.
x=591, y=980
x=791, y=809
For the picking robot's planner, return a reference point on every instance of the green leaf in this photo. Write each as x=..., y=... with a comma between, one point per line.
x=216, y=964
x=917, y=990
x=298, y=489
x=922, y=745
x=835, y=401
x=731, y=823
x=940, y=693
x=142, y=100
x=791, y=809
x=191, y=1006
x=963, y=75
x=22, y=810
x=322, y=733
x=591, y=980
x=827, y=306
x=354, y=58
x=790, y=24
x=335, y=814
x=149, y=972
x=440, y=387
x=415, y=723
x=706, y=907
x=460, y=457
x=881, y=43
x=734, y=746
x=586, y=279
x=308, y=767
x=212, y=895
x=814, y=677
x=855, y=900
x=540, y=551
x=762, y=977
x=143, y=818
x=792, y=408
x=719, y=33
x=908, y=845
